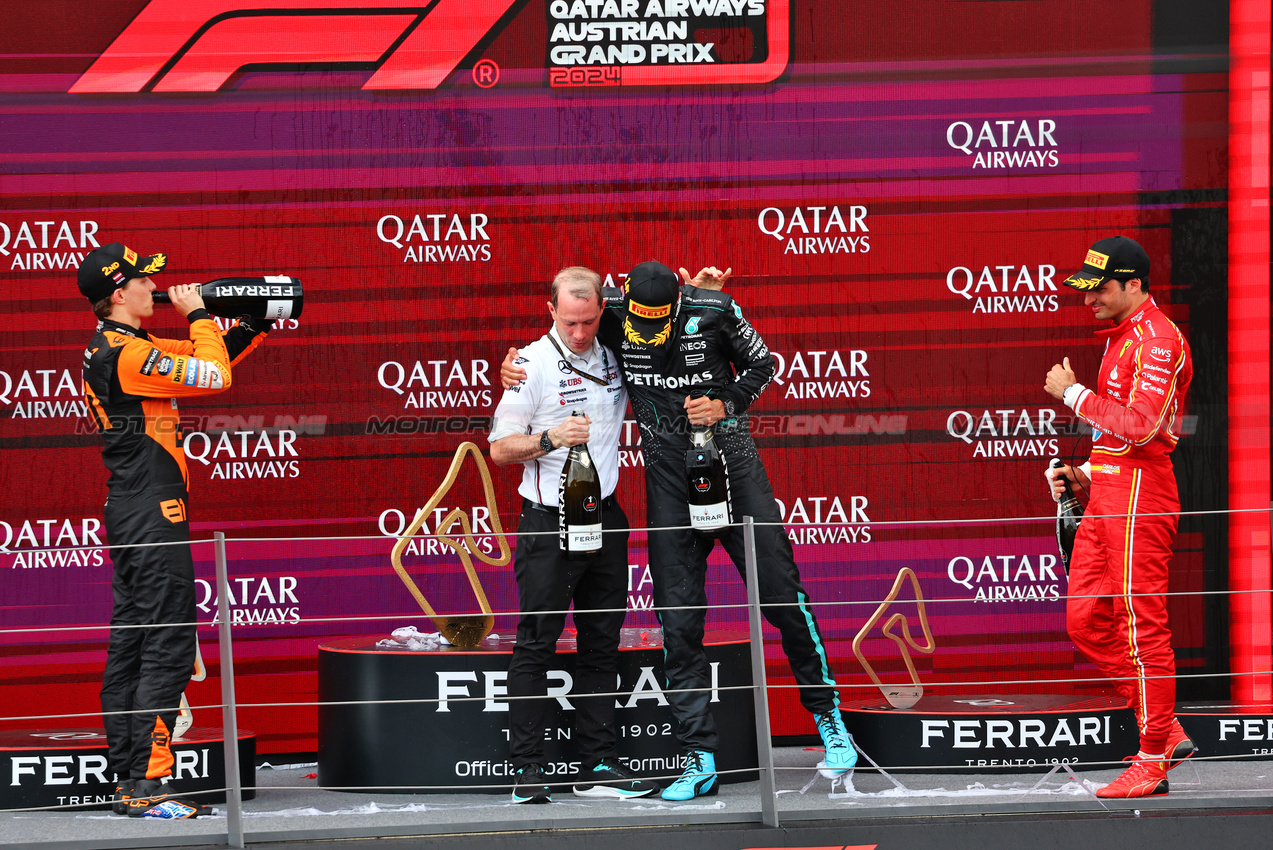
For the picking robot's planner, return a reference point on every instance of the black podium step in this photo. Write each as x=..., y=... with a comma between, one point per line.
x=68, y=767
x=1011, y=733
x=444, y=722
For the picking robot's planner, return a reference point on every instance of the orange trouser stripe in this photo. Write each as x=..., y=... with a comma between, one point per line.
x=161, y=760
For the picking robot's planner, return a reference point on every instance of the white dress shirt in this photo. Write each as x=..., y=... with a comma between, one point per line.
x=547, y=397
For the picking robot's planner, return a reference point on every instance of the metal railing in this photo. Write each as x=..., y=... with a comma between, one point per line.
x=767, y=810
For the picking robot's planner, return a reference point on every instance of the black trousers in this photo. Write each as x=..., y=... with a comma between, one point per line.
x=147, y=669
x=547, y=581
x=678, y=566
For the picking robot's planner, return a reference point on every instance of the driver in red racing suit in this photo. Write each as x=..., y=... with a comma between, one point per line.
x=1117, y=611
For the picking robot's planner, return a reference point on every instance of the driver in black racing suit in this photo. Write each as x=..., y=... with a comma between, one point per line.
x=670, y=340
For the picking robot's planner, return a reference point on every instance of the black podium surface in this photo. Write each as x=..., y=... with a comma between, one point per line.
x=989, y=733
x=434, y=719
x=1012, y=733
x=67, y=767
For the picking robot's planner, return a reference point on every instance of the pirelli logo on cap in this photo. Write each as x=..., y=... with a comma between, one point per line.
x=645, y=312
x=130, y=255
x=1096, y=259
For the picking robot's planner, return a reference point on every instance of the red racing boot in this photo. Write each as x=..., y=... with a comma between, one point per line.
x=1179, y=747
x=1145, y=778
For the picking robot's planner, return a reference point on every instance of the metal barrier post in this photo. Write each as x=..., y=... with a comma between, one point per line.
x=229, y=720
x=760, y=692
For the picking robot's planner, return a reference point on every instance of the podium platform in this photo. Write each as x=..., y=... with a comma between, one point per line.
x=68, y=767
x=995, y=733
x=445, y=719
x=1012, y=733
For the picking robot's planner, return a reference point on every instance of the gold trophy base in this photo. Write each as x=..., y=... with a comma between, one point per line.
x=465, y=631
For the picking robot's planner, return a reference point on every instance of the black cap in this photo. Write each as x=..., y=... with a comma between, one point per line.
x=649, y=294
x=1114, y=258
x=111, y=266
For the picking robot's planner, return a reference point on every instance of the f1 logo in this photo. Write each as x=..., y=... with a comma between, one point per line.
x=196, y=45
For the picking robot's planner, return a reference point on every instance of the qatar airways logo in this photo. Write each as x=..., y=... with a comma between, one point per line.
x=200, y=45
x=816, y=520
x=638, y=32
x=1000, y=145
x=1007, y=578
x=44, y=543
x=253, y=600
x=823, y=374
x=611, y=43
x=640, y=588
x=458, y=384
x=249, y=453
x=42, y=394
x=630, y=453
x=817, y=230
x=47, y=245
x=1006, y=432
x=392, y=522
x=437, y=237
x=1006, y=288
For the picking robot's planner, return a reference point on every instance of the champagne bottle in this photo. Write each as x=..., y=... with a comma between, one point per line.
x=579, y=502
x=1069, y=513
x=708, y=479
x=270, y=297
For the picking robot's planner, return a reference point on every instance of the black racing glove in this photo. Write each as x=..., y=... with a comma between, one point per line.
x=255, y=325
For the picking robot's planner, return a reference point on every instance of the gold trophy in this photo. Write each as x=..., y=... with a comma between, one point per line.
x=465, y=630
x=898, y=696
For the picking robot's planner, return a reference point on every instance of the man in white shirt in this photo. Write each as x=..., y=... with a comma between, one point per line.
x=566, y=370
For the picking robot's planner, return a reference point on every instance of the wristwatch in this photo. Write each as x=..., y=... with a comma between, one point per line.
x=728, y=404
x=546, y=443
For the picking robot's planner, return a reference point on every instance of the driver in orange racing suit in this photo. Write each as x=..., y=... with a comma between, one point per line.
x=131, y=384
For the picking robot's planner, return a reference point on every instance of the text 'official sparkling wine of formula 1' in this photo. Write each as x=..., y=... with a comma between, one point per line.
x=1069, y=513
x=272, y=297
x=708, y=481
x=579, y=501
